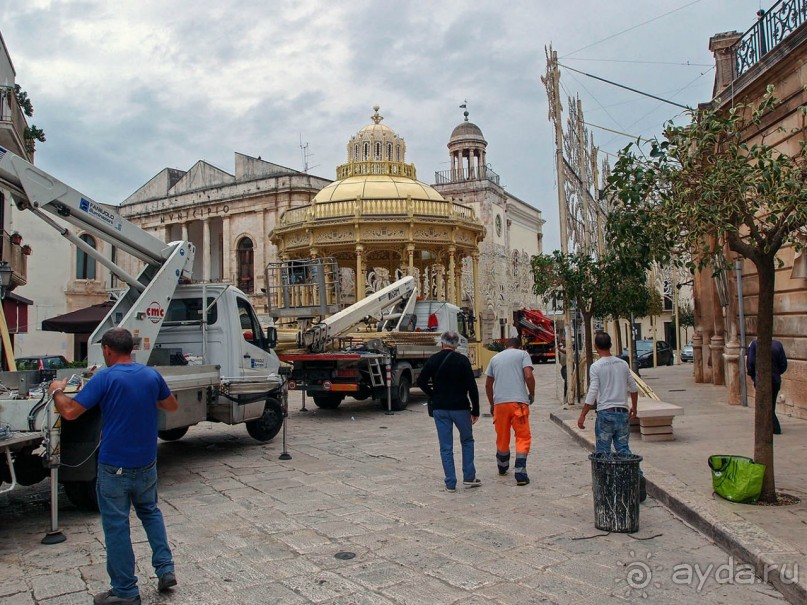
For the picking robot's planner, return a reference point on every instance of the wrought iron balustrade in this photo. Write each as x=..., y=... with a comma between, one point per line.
x=773, y=26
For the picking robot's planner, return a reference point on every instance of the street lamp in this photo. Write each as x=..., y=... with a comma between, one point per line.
x=6, y=273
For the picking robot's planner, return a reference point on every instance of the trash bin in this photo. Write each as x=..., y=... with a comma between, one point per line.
x=615, y=483
x=737, y=478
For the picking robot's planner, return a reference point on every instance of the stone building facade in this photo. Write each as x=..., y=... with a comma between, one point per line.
x=773, y=52
x=513, y=232
x=228, y=217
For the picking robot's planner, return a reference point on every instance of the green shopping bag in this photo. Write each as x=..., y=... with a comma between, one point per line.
x=736, y=478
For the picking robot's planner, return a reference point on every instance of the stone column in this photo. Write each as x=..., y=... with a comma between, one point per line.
x=722, y=47
x=226, y=251
x=697, y=355
x=733, y=372
x=206, y=249
x=477, y=319
x=451, y=269
x=716, y=345
x=410, y=250
x=359, y=272
x=458, y=284
x=185, y=232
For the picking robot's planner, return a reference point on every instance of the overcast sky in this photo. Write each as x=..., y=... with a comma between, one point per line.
x=126, y=88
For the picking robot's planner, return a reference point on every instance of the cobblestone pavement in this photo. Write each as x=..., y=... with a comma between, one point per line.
x=247, y=528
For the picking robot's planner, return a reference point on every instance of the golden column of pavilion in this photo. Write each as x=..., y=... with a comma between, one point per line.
x=380, y=223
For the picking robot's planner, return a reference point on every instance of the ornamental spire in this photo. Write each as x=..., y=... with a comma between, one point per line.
x=376, y=117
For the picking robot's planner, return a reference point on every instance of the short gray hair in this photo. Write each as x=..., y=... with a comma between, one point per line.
x=450, y=339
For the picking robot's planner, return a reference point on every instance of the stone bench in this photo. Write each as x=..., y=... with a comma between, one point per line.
x=654, y=421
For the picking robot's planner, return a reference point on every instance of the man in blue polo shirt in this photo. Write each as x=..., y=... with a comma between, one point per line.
x=129, y=395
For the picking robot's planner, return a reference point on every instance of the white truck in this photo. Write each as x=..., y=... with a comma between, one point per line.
x=333, y=359
x=234, y=375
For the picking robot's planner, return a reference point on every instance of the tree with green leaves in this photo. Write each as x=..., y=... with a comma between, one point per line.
x=712, y=186
x=592, y=285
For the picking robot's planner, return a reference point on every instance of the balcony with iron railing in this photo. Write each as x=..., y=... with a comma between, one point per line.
x=773, y=26
x=12, y=124
x=446, y=177
x=16, y=257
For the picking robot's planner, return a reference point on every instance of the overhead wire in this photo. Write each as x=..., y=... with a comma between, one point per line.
x=685, y=64
x=624, y=31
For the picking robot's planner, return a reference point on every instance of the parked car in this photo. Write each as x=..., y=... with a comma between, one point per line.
x=686, y=352
x=41, y=362
x=644, y=353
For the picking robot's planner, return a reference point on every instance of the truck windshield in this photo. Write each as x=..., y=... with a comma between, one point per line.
x=187, y=310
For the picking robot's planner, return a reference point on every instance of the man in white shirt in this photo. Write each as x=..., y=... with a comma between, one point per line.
x=510, y=387
x=610, y=382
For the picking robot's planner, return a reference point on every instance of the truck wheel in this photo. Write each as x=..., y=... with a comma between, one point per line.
x=173, y=434
x=400, y=394
x=28, y=468
x=82, y=495
x=330, y=401
x=270, y=422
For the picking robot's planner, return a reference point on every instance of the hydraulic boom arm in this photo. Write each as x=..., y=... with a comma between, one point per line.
x=386, y=304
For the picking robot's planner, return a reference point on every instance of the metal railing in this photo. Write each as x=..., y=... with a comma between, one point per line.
x=376, y=208
x=445, y=177
x=773, y=26
x=370, y=167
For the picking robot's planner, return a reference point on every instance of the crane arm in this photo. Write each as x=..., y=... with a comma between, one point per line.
x=379, y=305
x=33, y=188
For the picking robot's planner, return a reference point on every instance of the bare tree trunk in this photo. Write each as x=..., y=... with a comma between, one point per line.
x=763, y=417
x=587, y=315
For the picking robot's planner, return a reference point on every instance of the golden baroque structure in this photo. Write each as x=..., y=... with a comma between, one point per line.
x=380, y=223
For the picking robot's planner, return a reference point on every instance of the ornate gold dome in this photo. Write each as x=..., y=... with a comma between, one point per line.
x=385, y=187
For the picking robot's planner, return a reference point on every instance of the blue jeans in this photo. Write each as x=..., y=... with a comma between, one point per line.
x=445, y=420
x=118, y=489
x=612, y=427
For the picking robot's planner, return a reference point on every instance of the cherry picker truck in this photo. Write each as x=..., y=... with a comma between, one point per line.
x=236, y=376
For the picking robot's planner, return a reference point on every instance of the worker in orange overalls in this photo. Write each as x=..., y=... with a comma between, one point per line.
x=510, y=387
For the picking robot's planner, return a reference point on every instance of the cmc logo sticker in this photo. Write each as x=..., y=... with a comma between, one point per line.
x=155, y=312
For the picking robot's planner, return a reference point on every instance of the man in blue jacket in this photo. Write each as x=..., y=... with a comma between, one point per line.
x=778, y=367
x=129, y=395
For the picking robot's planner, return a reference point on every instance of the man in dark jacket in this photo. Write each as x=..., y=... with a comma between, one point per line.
x=778, y=367
x=448, y=380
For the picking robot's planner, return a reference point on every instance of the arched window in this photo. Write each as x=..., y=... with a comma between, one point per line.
x=366, y=151
x=378, y=151
x=389, y=151
x=85, y=264
x=356, y=152
x=397, y=153
x=245, y=256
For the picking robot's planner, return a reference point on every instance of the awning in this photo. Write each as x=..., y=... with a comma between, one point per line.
x=82, y=321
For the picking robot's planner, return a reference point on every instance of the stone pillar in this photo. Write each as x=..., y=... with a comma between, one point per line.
x=477, y=319
x=359, y=272
x=451, y=269
x=226, y=251
x=716, y=346
x=733, y=373
x=458, y=284
x=206, y=246
x=184, y=232
x=697, y=355
x=410, y=251
x=721, y=46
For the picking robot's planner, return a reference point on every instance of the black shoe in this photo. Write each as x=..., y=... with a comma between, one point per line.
x=166, y=581
x=108, y=598
x=642, y=489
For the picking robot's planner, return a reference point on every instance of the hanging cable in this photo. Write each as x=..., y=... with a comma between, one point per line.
x=646, y=94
